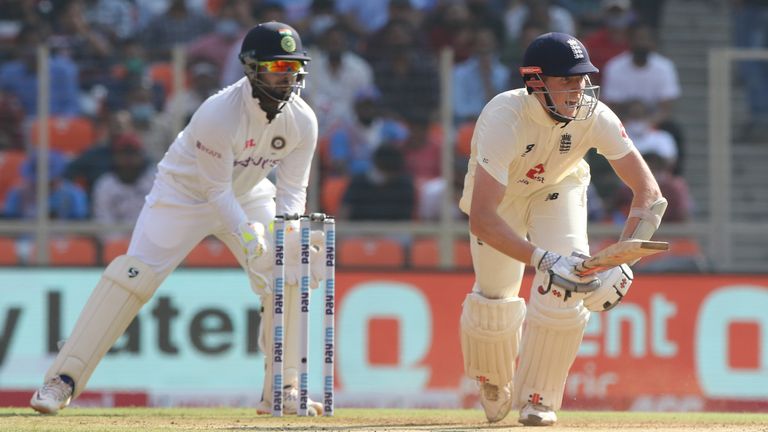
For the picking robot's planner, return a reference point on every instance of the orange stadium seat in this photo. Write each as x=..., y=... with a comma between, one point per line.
x=70, y=251
x=371, y=252
x=114, y=247
x=69, y=135
x=10, y=162
x=8, y=255
x=211, y=252
x=425, y=253
x=332, y=192
x=162, y=73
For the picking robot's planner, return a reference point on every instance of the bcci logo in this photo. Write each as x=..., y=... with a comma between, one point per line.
x=278, y=143
x=565, y=143
x=133, y=272
x=288, y=44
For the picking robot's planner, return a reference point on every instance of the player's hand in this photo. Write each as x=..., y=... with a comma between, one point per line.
x=292, y=256
x=257, y=256
x=562, y=271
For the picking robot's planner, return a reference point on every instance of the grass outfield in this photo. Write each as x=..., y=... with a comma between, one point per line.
x=240, y=419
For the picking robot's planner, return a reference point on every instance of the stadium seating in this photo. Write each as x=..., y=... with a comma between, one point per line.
x=70, y=251
x=10, y=162
x=8, y=252
x=211, y=252
x=69, y=135
x=425, y=254
x=332, y=192
x=371, y=252
x=113, y=248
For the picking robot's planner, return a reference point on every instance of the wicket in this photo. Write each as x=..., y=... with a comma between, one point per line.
x=329, y=306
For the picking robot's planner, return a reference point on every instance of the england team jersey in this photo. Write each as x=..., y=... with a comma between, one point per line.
x=524, y=149
x=229, y=147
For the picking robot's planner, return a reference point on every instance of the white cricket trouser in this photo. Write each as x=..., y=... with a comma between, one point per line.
x=171, y=224
x=554, y=219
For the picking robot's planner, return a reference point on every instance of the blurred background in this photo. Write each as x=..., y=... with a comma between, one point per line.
x=92, y=93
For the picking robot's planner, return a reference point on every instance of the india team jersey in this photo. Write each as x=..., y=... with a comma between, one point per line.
x=229, y=147
x=523, y=148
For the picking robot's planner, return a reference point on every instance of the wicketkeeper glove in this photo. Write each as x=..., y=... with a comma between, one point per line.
x=257, y=257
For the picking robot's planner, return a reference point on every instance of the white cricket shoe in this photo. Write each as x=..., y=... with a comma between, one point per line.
x=291, y=404
x=496, y=401
x=537, y=415
x=54, y=395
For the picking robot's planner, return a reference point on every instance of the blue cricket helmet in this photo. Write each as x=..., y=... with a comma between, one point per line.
x=558, y=54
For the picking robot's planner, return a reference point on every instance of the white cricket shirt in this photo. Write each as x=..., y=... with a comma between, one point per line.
x=229, y=147
x=524, y=149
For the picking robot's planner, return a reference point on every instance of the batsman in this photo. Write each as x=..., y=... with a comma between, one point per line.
x=213, y=181
x=525, y=193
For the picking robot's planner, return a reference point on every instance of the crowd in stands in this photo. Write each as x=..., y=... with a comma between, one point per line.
x=373, y=82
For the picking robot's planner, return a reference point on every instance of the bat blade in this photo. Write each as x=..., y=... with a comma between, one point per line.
x=622, y=252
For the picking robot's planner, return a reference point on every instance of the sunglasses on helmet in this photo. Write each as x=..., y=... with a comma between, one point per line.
x=281, y=66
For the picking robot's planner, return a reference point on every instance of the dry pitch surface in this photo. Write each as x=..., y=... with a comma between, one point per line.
x=357, y=420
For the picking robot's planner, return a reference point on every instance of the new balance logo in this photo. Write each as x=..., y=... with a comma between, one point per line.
x=551, y=197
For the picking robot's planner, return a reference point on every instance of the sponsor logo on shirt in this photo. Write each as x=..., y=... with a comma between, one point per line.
x=249, y=143
x=533, y=174
x=207, y=150
x=261, y=162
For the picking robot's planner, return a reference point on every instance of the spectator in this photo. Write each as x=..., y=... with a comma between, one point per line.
x=161, y=129
x=513, y=51
x=385, y=192
x=673, y=187
x=66, y=200
x=422, y=149
x=97, y=160
x=646, y=137
x=431, y=192
x=11, y=122
x=338, y=74
x=19, y=77
x=178, y=25
x=406, y=76
x=74, y=38
x=114, y=18
x=450, y=24
x=548, y=15
x=481, y=77
x=641, y=74
x=749, y=23
x=214, y=47
x=611, y=38
x=118, y=194
x=351, y=146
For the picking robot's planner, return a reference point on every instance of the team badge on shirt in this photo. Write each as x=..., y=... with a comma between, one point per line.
x=278, y=143
x=565, y=143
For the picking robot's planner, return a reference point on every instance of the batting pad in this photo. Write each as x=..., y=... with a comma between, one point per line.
x=490, y=336
x=125, y=286
x=551, y=339
x=290, y=340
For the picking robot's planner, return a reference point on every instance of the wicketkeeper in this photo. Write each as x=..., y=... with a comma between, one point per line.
x=212, y=181
x=525, y=194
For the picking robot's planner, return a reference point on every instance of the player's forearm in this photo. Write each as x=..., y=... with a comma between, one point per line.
x=230, y=211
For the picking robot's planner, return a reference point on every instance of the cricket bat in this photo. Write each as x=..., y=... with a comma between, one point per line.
x=626, y=251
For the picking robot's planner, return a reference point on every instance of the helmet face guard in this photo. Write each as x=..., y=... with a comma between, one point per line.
x=582, y=109
x=291, y=75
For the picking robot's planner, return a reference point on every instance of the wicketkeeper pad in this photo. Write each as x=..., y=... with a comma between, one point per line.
x=126, y=285
x=490, y=336
x=291, y=341
x=553, y=331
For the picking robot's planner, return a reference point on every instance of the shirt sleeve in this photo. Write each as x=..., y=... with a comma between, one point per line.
x=610, y=138
x=495, y=139
x=292, y=174
x=212, y=137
